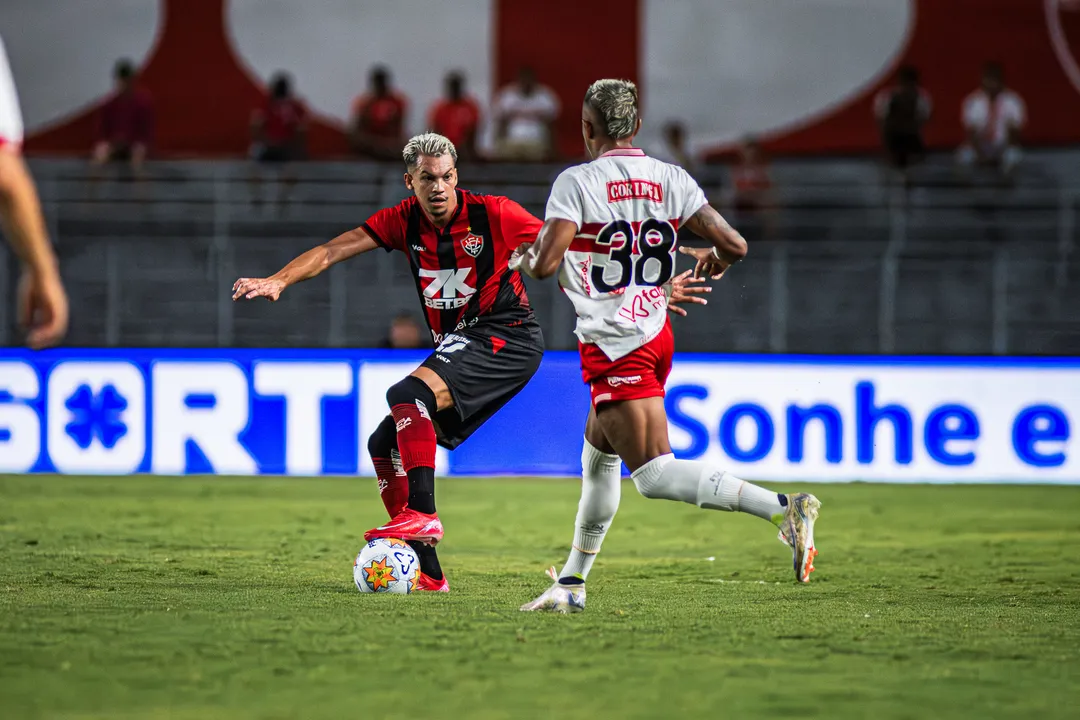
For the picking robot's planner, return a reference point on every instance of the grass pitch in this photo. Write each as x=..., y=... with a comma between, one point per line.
x=222, y=598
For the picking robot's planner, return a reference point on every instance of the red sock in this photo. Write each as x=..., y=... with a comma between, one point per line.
x=415, y=435
x=393, y=482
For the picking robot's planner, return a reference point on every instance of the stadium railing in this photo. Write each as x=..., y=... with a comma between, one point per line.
x=845, y=262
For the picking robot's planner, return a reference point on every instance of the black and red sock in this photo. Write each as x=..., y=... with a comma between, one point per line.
x=393, y=482
x=411, y=404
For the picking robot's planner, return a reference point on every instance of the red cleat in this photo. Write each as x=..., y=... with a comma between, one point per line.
x=425, y=583
x=410, y=525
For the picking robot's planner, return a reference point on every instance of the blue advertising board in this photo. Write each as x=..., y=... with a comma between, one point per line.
x=309, y=412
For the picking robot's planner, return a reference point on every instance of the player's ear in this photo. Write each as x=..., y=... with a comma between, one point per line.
x=637, y=126
x=408, y=181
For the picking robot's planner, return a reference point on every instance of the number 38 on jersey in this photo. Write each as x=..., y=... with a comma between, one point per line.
x=642, y=253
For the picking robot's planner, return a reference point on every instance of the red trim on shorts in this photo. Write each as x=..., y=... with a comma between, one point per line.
x=635, y=376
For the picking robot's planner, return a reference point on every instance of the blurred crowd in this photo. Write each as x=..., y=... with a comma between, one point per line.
x=521, y=119
x=520, y=125
x=993, y=117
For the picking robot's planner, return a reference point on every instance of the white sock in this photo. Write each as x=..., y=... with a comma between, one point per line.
x=600, y=489
x=700, y=484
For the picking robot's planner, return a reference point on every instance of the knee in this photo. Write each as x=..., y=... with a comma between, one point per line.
x=650, y=481
x=411, y=391
x=648, y=487
x=384, y=439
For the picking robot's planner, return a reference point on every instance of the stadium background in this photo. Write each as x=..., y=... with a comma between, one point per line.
x=923, y=337
x=853, y=266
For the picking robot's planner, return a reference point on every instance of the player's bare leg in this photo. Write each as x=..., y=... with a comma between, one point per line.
x=413, y=402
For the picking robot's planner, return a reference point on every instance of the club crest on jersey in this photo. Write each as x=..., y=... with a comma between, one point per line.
x=472, y=244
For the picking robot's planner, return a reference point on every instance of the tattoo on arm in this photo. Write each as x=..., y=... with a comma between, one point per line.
x=709, y=218
x=726, y=240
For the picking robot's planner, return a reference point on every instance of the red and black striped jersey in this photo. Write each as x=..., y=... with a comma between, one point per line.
x=461, y=270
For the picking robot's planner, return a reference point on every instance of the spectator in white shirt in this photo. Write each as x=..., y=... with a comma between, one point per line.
x=525, y=113
x=993, y=117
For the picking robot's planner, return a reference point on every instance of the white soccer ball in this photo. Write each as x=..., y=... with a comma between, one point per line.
x=386, y=565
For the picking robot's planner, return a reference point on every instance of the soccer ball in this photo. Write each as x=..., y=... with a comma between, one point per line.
x=386, y=565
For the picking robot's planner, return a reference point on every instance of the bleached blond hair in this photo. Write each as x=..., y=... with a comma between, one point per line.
x=427, y=144
x=616, y=102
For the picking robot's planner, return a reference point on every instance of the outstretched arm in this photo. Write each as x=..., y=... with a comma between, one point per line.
x=306, y=266
x=541, y=259
x=728, y=246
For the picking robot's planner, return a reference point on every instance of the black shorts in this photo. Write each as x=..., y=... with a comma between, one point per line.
x=484, y=366
x=904, y=148
x=119, y=153
x=273, y=154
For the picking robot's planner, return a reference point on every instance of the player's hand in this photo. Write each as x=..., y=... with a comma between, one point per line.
x=43, y=308
x=685, y=289
x=708, y=265
x=251, y=288
x=517, y=258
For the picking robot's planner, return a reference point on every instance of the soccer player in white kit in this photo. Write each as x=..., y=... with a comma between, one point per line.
x=43, y=306
x=611, y=231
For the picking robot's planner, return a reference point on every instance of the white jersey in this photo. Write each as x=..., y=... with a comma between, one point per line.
x=11, y=127
x=993, y=118
x=628, y=208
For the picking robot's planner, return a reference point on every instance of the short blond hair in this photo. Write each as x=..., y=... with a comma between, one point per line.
x=427, y=144
x=616, y=102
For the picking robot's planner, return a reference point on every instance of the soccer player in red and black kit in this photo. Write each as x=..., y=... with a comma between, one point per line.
x=488, y=344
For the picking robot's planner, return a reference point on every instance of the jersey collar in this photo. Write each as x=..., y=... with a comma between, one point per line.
x=624, y=152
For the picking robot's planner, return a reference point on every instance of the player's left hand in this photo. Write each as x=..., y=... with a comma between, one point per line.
x=685, y=289
x=708, y=265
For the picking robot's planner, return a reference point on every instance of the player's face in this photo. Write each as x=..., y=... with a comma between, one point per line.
x=434, y=182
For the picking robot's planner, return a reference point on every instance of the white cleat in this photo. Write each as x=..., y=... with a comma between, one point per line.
x=558, y=598
x=797, y=530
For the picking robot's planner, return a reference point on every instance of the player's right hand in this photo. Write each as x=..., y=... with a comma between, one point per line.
x=251, y=288
x=518, y=256
x=43, y=308
x=708, y=264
